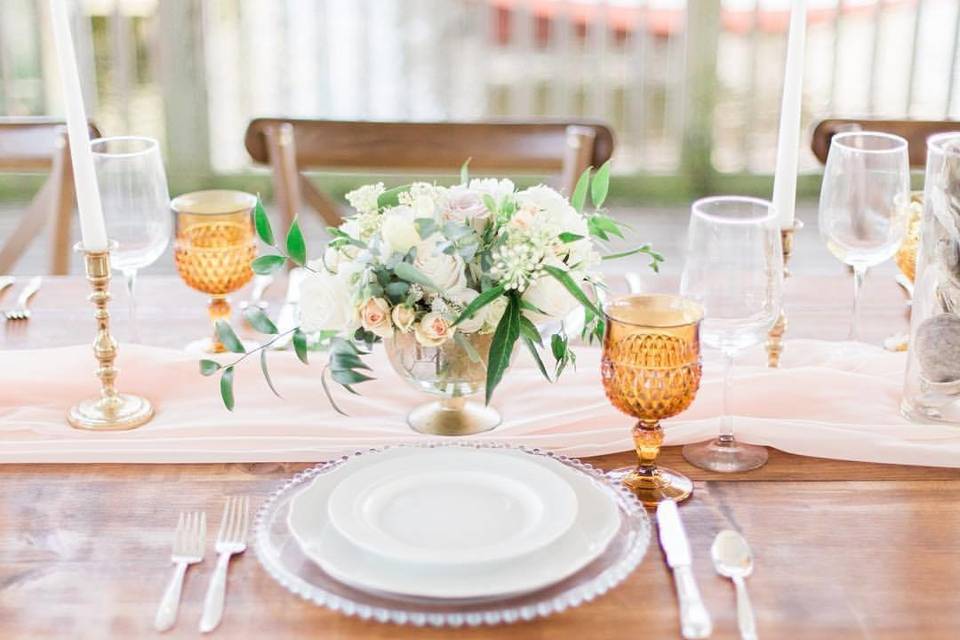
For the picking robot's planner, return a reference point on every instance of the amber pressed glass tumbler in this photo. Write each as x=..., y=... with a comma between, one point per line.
x=213, y=249
x=651, y=370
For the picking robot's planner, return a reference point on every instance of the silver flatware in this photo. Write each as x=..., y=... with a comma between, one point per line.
x=6, y=281
x=260, y=285
x=694, y=618
x=231, y=540
x=188, y=543
x=732, y=559
x=21, y=311
x=289, y=314
x=905, y=284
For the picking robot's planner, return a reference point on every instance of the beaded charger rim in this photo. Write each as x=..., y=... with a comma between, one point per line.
x=623, y=554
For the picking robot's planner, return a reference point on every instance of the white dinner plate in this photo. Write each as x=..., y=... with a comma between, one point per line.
x=451, y=505
x=596, y=522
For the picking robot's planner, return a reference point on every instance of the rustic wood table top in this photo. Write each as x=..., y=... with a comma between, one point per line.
x=843, y=549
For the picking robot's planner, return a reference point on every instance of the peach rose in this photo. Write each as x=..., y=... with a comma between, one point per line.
x=403, y=316
x=433, y=330
x=375, y=317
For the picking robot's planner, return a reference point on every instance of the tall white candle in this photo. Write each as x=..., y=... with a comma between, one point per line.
x=92, y=228
x=788, y=140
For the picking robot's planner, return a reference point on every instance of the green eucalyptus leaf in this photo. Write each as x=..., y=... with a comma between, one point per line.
x=229, y=339
x=408, y=272
x=564, y=278
x=479, y=302
x=259, y=320
x=529, y=331
x=468, y=347
x=262, y=223
x=226, y=388
x=501, y=347
x=532, y=347
x=209, y=367
x=567, y=237
x=558, y=345
x=601, y=225
x=600, y=185
x=266, y=372
x=465, y=172
x=490, y=203
x=296, y=246
x=266, y=265
x=397, y=291
x=340, y=361
x=391, y=197
x=579, y=197
x=300, y=345
x=426, y=227
x=347, y=377
x=326, y=390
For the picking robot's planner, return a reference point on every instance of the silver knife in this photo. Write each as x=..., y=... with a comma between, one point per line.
x=694, y=617
x=289, y=315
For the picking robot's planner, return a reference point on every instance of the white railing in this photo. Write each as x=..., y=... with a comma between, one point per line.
x=193, y=72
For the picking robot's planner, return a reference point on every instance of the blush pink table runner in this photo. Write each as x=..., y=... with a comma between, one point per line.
x=826, y=402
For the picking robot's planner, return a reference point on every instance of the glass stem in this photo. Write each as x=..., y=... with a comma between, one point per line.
x=130, y=277
x=726, y=422
x=859, y=273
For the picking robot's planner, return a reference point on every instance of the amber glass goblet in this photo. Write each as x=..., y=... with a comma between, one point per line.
x=213, y=249
x=651, y=370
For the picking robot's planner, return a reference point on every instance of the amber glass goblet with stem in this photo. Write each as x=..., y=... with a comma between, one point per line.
x=213, y=249
x=651, y=370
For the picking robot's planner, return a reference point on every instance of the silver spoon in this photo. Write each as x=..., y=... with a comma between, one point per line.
x=732, y=559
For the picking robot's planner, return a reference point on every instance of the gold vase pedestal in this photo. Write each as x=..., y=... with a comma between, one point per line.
x=775, y=336
x=111, y=411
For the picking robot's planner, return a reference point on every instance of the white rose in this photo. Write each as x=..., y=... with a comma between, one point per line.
x=443, y=270
x=558, y=215
x=398, y=231
x=462, y=297
x=403, y=316
x=493, y=312
x=365, y=198
x=552, y=298
x=496, y=189
x=464, y=205
x=375, y=317
x=433, y=330
x=326, y=303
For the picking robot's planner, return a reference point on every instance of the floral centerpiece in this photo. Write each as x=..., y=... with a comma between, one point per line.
x=450, y=277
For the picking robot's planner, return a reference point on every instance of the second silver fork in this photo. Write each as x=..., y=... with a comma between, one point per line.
x=21, y=311
x=188, y=544
x=231, y=540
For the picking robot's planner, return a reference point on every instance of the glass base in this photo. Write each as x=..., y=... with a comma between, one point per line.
x=725, y=455
x=651, y=490
x=121, y=413
x=453, y=417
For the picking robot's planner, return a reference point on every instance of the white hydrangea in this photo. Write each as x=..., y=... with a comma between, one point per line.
x=364, y=199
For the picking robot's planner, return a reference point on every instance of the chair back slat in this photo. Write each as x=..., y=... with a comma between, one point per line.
x=915, y=132
x=441, y=146
x=28, y=144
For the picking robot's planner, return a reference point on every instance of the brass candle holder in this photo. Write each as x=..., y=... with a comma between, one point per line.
x=775, y=336
x=112, y=411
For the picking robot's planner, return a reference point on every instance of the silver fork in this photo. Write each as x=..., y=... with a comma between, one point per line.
x=20, y=311
x=231, y=540
x=188, y=543
x=260, y=285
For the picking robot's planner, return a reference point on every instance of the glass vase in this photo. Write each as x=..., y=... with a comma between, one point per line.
x=932, y=386
x=452, y=372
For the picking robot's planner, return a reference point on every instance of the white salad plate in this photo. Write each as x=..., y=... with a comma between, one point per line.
x=451, y=506
x=369, y=494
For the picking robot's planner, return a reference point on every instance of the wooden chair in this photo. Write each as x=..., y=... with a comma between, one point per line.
x=38, y=145
x=915, y=132
x=292, y=146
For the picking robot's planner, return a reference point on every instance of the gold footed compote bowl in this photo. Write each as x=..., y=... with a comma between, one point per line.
x=213, y=250
x=651, y=370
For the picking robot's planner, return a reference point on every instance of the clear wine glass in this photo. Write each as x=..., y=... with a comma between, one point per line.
x=734, y=268
x=862, y=215
x=136, y=206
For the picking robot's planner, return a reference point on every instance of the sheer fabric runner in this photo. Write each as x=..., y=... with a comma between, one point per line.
x=826, y=402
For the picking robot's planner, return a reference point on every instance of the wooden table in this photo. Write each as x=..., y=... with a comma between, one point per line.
x=844, y=550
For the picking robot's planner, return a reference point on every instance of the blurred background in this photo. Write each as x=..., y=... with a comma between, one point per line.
x=691, y=88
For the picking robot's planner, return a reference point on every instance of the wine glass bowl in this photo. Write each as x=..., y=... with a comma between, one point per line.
x=214, y=247
x=651, y=370
x=862, y=214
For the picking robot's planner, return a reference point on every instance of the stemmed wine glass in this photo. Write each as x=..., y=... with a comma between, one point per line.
x=862, y=214
x=136, y=206
x=734, y=268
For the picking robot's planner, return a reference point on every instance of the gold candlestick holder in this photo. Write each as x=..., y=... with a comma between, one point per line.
x=775, y=336
x=112, y=411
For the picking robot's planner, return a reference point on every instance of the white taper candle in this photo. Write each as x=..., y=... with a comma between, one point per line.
x=788, y=140
x=92, y=227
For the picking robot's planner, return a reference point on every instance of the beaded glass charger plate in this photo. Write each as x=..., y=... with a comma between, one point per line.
x=603, y=563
